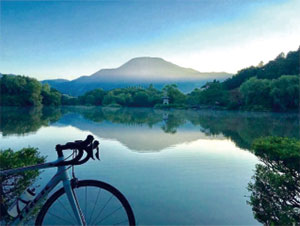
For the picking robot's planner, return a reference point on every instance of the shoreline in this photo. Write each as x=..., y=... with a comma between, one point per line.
x=201, y=108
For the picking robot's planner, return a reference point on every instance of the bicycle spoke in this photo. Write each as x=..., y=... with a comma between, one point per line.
x=60, y=218
x=109, y=215
x=65, y=208
x=103, y=208
x=98, y=194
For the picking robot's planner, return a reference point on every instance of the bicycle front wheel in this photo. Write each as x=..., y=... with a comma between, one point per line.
x=100, y=204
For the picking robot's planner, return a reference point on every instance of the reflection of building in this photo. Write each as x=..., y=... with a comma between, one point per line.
x=165, y=100
x=165, y=116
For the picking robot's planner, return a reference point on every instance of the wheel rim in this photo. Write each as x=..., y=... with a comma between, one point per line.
x=98, y=205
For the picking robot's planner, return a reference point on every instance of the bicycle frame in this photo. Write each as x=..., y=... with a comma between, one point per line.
x=60, y=176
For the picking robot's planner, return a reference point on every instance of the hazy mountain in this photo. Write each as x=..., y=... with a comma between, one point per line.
x=139, y=71
x=57, y=80
x=149, y=69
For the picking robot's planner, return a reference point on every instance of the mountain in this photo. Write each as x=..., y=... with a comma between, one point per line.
x=140, y=71
x=148, y=69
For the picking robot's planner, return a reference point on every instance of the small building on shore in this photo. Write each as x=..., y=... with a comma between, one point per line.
x=165, y=100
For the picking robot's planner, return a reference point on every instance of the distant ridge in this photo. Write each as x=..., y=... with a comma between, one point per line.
x=140, y=71
x=149, y=68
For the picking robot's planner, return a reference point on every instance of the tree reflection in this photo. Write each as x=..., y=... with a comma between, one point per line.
x=241, y=127
x=275, y=189
x=172, y=121
x=25, y=120
x=127, y=116
x=244, y=127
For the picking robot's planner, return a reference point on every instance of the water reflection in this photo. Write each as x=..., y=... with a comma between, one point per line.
x=21, y=121
x=152, y=129
x=197, y=152
x=275, y=189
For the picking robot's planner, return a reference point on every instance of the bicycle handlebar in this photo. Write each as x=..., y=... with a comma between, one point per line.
x=88, y=145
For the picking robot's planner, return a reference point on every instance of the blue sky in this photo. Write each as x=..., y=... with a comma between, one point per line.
x=66, y=39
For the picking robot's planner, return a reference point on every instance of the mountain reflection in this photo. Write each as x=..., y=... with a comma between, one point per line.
x=274, y=189
x=142, y=129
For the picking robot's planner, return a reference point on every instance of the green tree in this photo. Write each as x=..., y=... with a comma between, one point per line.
x=256, y=94
x=174, y=94
x=242, y=76
x=93, y=97
x=12, y=186
x=212, y=93
x=109, y=98
x=285, y=93
x=20, y=91
x=141, y=99
x=281, y=65
x=193, y=97
x=154, y=95
x=51, y=97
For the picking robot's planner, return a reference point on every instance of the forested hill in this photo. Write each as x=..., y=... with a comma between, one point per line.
x=281, y=65
x=16, y=90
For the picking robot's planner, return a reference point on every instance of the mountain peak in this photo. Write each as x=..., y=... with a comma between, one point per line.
x=139, y=71
x=144, y=61
x=148, y=68
x=141, y=58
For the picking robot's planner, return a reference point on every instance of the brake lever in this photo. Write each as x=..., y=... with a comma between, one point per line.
x=96, y=146
x=97, y=153
x=89, y=151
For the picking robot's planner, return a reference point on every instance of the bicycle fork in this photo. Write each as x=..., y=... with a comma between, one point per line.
x=72, y=198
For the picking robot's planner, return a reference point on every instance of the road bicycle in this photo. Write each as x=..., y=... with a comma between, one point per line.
x=78, y=202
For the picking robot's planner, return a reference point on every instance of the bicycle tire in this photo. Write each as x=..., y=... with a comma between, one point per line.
x=88, y=183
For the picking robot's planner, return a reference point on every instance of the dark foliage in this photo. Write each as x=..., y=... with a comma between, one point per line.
x=12, y=186
x=289, y=65
x=276, y=186
x=25, y=91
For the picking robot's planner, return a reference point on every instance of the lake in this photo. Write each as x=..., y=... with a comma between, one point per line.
x=176, y=167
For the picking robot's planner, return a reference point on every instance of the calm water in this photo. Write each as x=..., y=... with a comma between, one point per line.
x=175, y=167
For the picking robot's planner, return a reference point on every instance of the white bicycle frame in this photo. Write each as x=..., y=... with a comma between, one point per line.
x=60, y=176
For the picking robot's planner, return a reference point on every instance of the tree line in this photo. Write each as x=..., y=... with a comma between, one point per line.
x=281, y=94
x=270, y=87
x=25, y=91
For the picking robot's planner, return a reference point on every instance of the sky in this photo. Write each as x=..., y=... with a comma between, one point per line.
x=66, y=39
